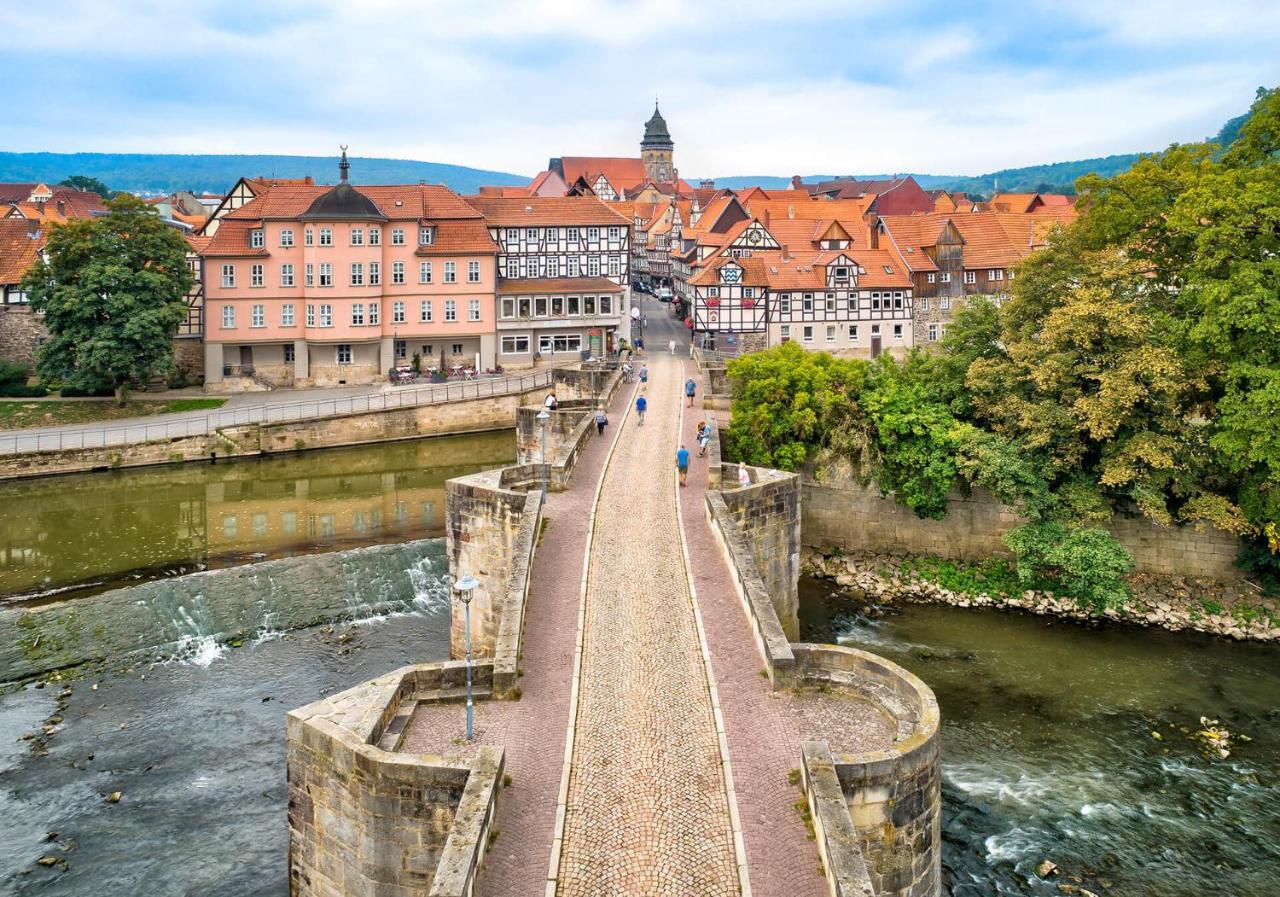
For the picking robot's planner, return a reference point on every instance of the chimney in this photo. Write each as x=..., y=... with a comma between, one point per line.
x=784, y=252
x=797, y=183
x=766, y=219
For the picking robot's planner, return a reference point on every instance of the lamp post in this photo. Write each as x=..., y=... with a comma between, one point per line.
x=543, y=417
x=465, y=586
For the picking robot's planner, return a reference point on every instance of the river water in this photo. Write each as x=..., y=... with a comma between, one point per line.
x=1048, y=750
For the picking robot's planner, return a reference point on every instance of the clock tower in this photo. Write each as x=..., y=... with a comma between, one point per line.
x=656, y=149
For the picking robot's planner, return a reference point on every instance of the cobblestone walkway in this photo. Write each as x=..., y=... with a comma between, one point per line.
x=647, y=812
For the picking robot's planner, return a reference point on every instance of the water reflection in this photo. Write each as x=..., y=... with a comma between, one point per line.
x=88, y=532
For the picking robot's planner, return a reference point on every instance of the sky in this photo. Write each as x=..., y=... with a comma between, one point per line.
x=748, y=87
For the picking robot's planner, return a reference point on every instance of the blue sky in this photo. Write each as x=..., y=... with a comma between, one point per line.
x=747, y=86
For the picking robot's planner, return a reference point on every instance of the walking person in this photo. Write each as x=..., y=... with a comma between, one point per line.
x=682, y=464
x=602, y=421
x=744, y=478
x=644, y=373
x=690, y=387
x=704, y=439
x=641, y=405
x=671, y=346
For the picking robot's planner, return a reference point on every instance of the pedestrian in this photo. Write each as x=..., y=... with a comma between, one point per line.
x=671, y=346
x=704, y=439
x=602, y=421
x=682, y=464
x=639, y=345
x=641, y=404
x=744, y=478
x=551, y=403
x=644, y=373
x=689, y=389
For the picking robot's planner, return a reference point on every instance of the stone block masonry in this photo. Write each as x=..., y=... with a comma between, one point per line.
x=841, y=513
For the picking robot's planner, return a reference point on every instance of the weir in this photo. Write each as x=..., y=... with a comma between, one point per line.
x=642, y=689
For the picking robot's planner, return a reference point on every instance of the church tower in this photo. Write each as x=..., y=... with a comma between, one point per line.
x=656, y=149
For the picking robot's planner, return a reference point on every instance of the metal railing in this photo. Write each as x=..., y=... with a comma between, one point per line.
x=714, y=357
x=16, y=441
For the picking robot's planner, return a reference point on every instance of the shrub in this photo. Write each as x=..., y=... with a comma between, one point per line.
x=1257, y=557
x=1085, y=563
x=13, y=372
x=69, y=392
x=21, y=391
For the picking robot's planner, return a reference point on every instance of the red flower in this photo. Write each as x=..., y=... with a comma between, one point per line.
x=713, y=303
x=748, y=303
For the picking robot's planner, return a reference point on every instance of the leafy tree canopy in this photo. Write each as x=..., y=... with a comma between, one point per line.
x=112, y=290
x=88, y=184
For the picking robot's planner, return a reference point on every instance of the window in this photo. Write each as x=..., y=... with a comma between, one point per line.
x=257, y=239
x=326, y=236
x=887, y=269
x=257, y=316
x=842, y=273
x=515, y=345
x=286, y=275
x=450, y=310
x=897, y=331
x=573, y=306
x=748, y=292
x=786, y=333
x=944, y=303
x=808, y=333
x=508, y=308
x=426, y=236
x=397, y=236
x=593, y=266
x=400, y=348
x=397, y=312
x=573, y=266
x=450, y=272
x=553, y=266
x=397, y=272
x=931, y=277
x=933, y=332
x=326, y=316
x=255, y=275
x=357, y=236
x=971, y=277
x=593, y=234
x=808, y=302
x=326, y=274
x=286, y=316
x=456, y=349
x=606, y=305
x=357, y=274
x=311, y=316
x=784, y=304
x=343, y=353
x=614, y=232
x=875, y=330
x=286, y=238
x=713, y=292
x=228, y=317
x=375, y=274
x=831, y=333
x=228, y=276
x=831, y=303
x=573, y=236
x=311, y=274
x=357, y=314
x=615, y=265
x=924, y=303
x=309, y=237
x=946, y=277
x=560, y=342
x=897, y=299
x=995, y=274
x=424, y=272
x=375, y=313
x=853, y=333
x=1011, y=276
x=288, y=353
x=588, y=305
x=375, y=236
x=425, y=312
x=473, y=309
x=473, y=272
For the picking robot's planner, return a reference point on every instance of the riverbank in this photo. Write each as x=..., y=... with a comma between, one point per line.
x=1235, y=610
x=24, y=414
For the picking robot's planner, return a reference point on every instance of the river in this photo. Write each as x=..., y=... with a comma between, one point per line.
x=1048, y=751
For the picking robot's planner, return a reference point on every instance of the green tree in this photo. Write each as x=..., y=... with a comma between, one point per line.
x=112, y=290
x=88, y=184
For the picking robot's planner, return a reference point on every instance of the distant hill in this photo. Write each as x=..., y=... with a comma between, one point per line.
x=164, y=173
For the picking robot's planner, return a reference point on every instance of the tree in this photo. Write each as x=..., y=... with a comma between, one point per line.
x=88, y=184
x=112, y=290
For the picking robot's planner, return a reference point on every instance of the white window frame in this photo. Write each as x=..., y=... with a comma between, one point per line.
x=326, y=236
x=286, y=237
x=473, y=272
x=326, y=315
x=424, y=272
x=326, y=274
x=397, y=236
x=287, y=318
x=397, y=272
x=228, y=317
x=357, y=236
x=286, y=275
x=375, y=274
x=397, y=312
x=357, y=314
x=426, y=311
x=971, y=277
x=450, y=310
x=450, y=272
x=511, y=343
x=256, y=276
x=342, y=354
x=228, y=277
x=257, y=315
x=257, y=238
x=473, y=309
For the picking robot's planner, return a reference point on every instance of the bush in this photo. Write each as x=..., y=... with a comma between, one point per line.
x=13, y=372
x=71, y=392
x=1084, y=563
x=1256, y=557
x=21, y=391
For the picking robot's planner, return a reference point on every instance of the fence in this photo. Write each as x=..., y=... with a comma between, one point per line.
x=402, y=397
x=714, y=357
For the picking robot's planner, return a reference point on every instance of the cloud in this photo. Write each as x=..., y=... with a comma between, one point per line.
x=747, y=86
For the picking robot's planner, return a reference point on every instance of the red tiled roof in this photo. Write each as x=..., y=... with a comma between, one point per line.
x=621, y=172
x=544, y=210
x=506, y=191
x=458, y=235
x=397, y=202
x=232, y=240
x=546, y=285
x=18, y=250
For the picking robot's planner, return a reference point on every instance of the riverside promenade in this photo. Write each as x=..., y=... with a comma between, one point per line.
x=647, y=753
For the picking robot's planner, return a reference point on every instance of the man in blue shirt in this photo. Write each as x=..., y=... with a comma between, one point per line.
x=682, y=464
x=641, y=404
x=689, y=388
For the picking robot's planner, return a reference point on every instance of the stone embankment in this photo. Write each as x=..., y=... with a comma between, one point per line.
x=1233, y=610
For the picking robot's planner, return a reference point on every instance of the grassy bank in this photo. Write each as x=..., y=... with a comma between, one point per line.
x=20, y=415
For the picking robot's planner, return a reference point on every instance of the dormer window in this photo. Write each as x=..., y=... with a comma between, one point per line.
x=426, y=236
x=842, y=273
x=257, y=239
x=888, y=269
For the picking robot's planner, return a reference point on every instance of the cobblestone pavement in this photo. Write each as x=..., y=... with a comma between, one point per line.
x=647, y=811
x=532, y=729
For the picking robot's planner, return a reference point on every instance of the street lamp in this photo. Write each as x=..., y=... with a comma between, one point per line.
x=465, y=585
x=543, y=417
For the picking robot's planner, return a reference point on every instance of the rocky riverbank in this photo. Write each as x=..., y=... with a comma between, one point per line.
x=1233, y=610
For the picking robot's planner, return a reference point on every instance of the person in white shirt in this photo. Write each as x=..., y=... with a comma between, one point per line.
x=551, y=404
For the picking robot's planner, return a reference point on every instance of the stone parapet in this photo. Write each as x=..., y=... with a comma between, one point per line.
x=367, y=820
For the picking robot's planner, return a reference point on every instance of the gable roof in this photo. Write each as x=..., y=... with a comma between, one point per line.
x=399, y=202
x=622, y=172
x=502, y=211
x=19, y=249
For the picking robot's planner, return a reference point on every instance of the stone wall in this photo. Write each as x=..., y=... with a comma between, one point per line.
x=365, y=820
x=20, y=327
x=767, y=513
x=841, y=513
x=893, y=798
x=231, y=441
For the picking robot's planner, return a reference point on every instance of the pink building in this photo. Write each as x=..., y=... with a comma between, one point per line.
x=316, y=285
